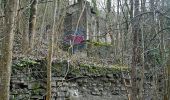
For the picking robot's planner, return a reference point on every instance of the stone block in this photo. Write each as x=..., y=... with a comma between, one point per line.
x=36, y=97
x=104, y=93
x=85, y=80
x=109, y=75
x=104, y=79
x=94, y=84
x=123, y=88
x=96, y=91
x=108, y=84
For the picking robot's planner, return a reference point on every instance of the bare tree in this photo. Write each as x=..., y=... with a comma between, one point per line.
x=168, y=61
x=135, y=55
x=141, y=87
x=32, y=22
x=25, y=25
x=50, y=52
x=7, y=45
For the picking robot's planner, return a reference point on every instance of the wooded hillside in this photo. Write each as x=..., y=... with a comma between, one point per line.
x=131, y=36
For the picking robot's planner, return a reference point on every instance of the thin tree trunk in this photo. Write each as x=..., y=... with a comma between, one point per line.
x=168, y=61
x=118, y=27
x=168, y=75
x=24, y=25
x=7, y=45
x=97, y=18
x=141, y=88
x=32, y=22
x=167, y=96
x=162, y=49
x=50, y=53
x=42, y=34
x=25, y=41
x=135, y=55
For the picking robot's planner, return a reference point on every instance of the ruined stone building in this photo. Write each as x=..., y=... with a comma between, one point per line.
x=80, y=22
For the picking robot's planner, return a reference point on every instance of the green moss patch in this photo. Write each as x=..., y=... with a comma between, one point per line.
x=23, y=63
x=86, y=69
x=61, y=68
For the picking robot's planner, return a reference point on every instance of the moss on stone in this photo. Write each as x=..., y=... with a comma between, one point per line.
x=97, y=70
x=60, y=68
x=23, y=63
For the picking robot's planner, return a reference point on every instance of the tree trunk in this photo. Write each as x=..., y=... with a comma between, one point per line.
x=50, y=53
x=118, y=31
x=25, y=26
x=97, y=18
x=162, y=48
x=32, y=22
x=168, y=61
x=42, y=34
x=141, y=88
x=135, y=56
x=167, y=95
x=7, y=45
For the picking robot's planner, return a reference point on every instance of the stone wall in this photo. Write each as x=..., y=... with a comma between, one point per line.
x=28, y=83
x=75, y=81
x=92, y=88
x=83, y=88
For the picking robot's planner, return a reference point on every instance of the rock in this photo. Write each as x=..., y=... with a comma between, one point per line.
x=123, y=88
x=96, y=92
x=104, y=79
x=107, y=84
x=100, y=89
x=109, y=75
x=73, y=85
x=84, y=89
x=100, y=85
x=104, y=93
x=111, y=79
x=94, y=84
x=85, y=80
x=73, y=94
x=116, y=88
x=36, y=97
x=115, y=92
